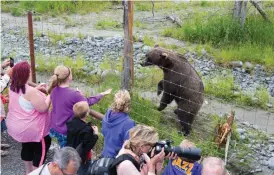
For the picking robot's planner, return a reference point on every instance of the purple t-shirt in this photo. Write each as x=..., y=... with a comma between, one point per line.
x=63, y=100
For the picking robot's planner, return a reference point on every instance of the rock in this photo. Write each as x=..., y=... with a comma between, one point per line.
x=236, y=64
x=269, y=105
x=137, y=45
x=203, y=51
x=271, y=148
x=146, y=49
x=271, y=163
x=248, y=66
x=246, y=124
x=240, y=130
x=242, y=137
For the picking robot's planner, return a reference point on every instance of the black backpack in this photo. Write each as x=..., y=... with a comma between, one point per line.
x=107, y=165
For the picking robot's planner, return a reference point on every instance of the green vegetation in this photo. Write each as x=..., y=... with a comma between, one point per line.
x=253, y=42
x=223, y=87
x=54, y=8
x=108, y=24
x=139, y=24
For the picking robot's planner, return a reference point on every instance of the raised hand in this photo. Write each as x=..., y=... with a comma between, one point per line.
x=5, y=63
x=106, y=92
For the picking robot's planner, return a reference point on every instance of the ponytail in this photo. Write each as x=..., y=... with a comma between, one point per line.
x=53, y=83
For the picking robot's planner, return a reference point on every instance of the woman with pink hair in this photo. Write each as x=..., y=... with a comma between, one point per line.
x=28, y=118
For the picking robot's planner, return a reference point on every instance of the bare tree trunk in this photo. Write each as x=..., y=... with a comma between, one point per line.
x=261, y=11
x=243, y=12
x=237, y=9
x=239, y=12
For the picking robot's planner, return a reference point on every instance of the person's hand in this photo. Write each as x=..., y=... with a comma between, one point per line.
x=9, y=72
x=144, y=169
x=158, y=157
x=5, y=63
x=171, y=156
x=106, y=92
x=42, y=87
x=95, y=129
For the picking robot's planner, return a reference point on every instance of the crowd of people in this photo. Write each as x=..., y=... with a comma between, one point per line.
x=37, y=113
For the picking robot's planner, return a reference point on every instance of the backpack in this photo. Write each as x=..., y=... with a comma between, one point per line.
x=107, y=165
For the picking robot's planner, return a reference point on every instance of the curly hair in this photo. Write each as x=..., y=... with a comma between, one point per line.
x=121, y=101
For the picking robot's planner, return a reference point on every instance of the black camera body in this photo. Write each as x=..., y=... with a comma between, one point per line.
x=193, y=154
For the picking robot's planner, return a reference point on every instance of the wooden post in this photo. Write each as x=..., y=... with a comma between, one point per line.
x=128, y=71
x=31, y=47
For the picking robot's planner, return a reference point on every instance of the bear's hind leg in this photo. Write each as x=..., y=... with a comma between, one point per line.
x=166, y=99
x=185, y=116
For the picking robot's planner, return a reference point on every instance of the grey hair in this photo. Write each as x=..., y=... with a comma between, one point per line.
x=63, y=156
x=213, y=166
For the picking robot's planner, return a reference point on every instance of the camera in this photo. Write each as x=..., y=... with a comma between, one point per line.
x=193, y=154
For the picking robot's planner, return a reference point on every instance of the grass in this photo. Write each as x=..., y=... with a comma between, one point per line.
x=223, y=87
x=143, y=111
x=139, y=24
x=253, y=42
x=55, y=8
x=108, y=24
x=54, y=37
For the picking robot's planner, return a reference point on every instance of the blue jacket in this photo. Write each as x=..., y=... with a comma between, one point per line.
x=178, y=166
x=115, y=128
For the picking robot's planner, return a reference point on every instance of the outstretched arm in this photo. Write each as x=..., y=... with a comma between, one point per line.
x=96, y=114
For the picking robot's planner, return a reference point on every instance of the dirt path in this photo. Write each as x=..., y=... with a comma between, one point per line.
x=263, y=119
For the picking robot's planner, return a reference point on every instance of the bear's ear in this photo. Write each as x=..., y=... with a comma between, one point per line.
x=164, y=55
x=156, y=45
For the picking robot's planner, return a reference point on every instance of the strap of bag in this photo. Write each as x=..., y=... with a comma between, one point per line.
x=122, y=158
x=42, y=169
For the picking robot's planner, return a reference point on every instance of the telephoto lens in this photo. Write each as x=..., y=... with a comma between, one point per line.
x=193, y=154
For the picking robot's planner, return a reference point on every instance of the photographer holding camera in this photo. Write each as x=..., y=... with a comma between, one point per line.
x=186, y=163
x=142, y=140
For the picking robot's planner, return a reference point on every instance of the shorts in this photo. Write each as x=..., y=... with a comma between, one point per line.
x=32, y=151
x=3, y=125
x=62, y=139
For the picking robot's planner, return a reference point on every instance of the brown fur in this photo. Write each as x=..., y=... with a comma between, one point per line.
x=181, y=83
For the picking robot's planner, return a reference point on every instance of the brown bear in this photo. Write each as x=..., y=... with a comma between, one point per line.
x=181, y=83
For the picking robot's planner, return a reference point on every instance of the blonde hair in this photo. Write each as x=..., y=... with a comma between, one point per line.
x=61, y=74
x=187, y=144
x=81, y=109
x=121, y=101
x=141, y=135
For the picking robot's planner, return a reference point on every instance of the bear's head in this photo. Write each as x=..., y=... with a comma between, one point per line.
x=158, y=56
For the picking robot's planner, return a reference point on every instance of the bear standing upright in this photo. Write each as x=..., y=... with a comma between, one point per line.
x=181, y=83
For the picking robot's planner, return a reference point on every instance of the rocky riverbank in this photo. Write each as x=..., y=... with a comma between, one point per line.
x=96, y=49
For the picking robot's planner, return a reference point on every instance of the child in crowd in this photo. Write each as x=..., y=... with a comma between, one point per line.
x=5, y=79
x=82, y=135
x=182, y=166
x=116, y=124
x=63, y=98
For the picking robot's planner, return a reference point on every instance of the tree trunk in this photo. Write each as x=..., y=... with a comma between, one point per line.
x=243, y=12
x=239, y=12
x=261, y=11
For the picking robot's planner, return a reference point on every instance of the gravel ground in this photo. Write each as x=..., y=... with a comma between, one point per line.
x=12, y=163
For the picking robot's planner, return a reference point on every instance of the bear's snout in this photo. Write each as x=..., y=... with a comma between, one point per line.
x=146, y=63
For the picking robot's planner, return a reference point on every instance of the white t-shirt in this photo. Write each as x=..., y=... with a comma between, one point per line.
x=42, y=170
